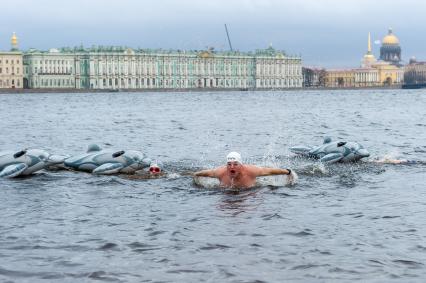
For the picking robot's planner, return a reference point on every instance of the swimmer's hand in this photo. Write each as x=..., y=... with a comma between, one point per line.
x=291, y=178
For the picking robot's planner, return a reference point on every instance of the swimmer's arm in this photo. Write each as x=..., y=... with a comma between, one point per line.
x=206, y=173
x=266, y=171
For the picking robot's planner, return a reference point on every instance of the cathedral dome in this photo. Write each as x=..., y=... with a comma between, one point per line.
x=390, y=39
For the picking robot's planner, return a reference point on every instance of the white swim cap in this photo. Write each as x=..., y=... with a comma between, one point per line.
x=234, y=157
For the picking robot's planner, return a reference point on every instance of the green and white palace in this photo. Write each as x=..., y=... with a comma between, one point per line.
x=114, y=68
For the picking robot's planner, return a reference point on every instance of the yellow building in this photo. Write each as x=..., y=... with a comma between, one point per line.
x=366, y=77
x=11, y=66
x=340, y=78
x=372, y=72
x=389, y=74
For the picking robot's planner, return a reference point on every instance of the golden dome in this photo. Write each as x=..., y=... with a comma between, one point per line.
x=390, y=39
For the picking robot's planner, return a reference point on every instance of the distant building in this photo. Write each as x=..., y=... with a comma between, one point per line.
x=125, y=68
x=52, y=69
x=390, y=50
x=342, y=78
x=389, y=74
x=11, y=66
x=313, y=77
x=372, y=72
x=415, y=74
x=366, y=77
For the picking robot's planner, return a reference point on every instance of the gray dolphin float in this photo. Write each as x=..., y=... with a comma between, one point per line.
x=331, y=152
x=26, y=162
x=106, y=162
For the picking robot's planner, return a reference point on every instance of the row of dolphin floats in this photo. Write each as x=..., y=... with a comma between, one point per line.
x=106, y=162
x=95, y=160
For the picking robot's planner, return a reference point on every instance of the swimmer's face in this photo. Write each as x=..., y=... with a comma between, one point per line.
x=154, y=170
x=233, y=168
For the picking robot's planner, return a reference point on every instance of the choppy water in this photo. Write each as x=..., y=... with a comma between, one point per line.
x=339, y=223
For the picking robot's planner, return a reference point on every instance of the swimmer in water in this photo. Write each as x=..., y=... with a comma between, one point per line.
x=153, y=172
x=235, y=174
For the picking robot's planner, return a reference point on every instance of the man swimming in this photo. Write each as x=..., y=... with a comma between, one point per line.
x=238, y=175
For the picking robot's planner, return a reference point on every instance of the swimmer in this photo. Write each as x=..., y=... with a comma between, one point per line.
x=235, y=174
x=153, y=172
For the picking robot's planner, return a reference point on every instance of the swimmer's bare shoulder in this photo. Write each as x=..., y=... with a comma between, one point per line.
x=253, y=170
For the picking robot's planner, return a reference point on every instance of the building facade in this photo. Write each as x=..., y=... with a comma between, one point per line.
x=11, y=70
x=313, y=77
x=415, y=73
x=340, y=78
x=389, y=74
x=366, y=77
x=115, y=68
x=11, y=66
x=52, y=69
x=372, y=73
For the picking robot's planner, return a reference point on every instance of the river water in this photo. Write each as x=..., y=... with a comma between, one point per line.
x=339, y=223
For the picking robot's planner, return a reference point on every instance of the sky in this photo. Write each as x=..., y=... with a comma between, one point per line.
x=328, y=33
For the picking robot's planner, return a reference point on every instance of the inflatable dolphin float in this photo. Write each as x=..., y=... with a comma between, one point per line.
x=106, y=162
x=26, y=162
x=331, y=152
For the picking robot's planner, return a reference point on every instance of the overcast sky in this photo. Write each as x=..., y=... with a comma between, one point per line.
x=331, y=33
